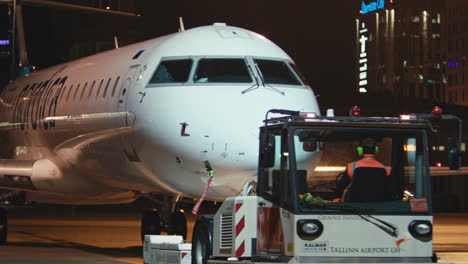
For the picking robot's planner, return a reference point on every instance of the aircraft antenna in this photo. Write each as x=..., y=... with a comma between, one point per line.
x=181, y=25
x=116, y=42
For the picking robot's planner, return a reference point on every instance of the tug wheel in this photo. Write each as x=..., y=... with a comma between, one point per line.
x=202, y=241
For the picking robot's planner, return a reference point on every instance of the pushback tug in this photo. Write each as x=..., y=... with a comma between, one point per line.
x=295, y=216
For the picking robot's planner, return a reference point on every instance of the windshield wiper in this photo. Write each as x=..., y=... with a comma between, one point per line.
x=253, y=87
x=265, y=84
x=387, y=227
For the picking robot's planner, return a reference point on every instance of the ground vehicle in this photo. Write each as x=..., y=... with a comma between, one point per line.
x=300, y=156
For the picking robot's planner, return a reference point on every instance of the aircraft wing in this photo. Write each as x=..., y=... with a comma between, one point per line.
x=48, y=173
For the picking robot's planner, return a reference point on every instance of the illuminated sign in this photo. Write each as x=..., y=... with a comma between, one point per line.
x=363, y=59
x=4, y=42
x=372, y=6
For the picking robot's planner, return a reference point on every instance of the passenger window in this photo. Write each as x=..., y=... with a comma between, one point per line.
x=83, y=92
x=91, y=89
x=222, y=71
x=64, y=91
x=107, y=86
x=69, y=92
x=38, y=87
x=276, y=72
x=172, y=71
x=99, y=89
x=76, y=91
x=115, y=86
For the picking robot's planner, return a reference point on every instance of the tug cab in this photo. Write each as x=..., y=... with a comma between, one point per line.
x=299, y=214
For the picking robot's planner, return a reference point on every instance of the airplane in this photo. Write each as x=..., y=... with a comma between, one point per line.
x=168, y=118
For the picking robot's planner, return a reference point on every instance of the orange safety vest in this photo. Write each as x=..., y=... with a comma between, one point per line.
x=369, y=161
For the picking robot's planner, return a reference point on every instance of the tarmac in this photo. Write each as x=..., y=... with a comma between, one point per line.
x=108, y=235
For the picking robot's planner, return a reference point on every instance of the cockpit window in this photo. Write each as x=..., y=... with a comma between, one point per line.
x=222, y=71
x=298, y=73
x=172, y=71
x=276, y=72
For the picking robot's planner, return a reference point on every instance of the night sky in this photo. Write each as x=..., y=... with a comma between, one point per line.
x=318, y=35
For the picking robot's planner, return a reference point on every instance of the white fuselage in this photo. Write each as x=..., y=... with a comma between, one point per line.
x=99, y=130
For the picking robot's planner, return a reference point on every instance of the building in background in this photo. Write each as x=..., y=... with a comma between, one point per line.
x=415, y=48
x=400, y=49
x=413, y=54
x=456, y=39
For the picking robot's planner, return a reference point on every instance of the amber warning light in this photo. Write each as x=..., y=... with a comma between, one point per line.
x=436, y=112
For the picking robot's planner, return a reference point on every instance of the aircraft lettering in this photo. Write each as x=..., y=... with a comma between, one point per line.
x=29, y=101
x=47, y=98
x=24, y=107
x=34, y=101
x=17, y=106
x=54, y=101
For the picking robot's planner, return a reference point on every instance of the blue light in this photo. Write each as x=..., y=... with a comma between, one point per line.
x=4, y=42
x=372, y=6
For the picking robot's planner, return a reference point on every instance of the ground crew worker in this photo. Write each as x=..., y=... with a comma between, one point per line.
x=367, y=164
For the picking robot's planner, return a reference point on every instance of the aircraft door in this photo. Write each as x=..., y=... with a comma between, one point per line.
x=128, y=81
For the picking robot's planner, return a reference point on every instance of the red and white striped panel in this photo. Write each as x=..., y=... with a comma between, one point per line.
x=245, y=225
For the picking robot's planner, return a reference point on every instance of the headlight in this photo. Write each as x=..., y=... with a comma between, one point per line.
x=421, y=230
x=309, y=229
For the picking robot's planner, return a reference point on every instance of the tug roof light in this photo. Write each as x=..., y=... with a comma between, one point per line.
x=407, y=117
x=308, y=115
x=355, y=111
x=436, y=112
